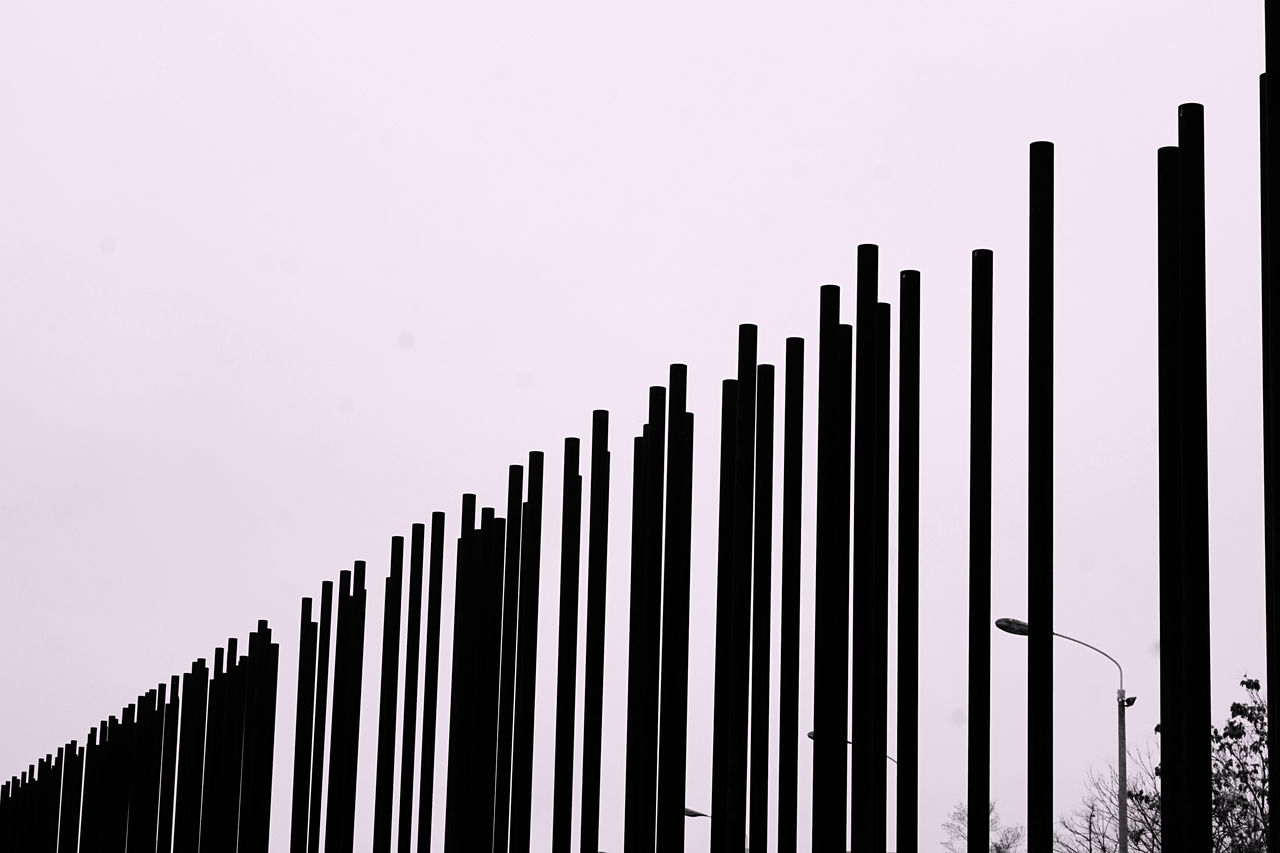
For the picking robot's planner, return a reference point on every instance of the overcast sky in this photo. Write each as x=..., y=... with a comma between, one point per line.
x=280, y=279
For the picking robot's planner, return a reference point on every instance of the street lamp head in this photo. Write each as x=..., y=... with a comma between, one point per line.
x=1013, y=626
x=1128, y=703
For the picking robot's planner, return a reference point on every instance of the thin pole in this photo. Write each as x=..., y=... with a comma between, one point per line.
x=507, y=677
x=1122, y=794
x=673, y=726
x=302, y=729
x=1195, y=470
x=789, y=659
x=322, y=702
x=878, y=704
x=1172, y=759
x=430, y=682
x=1040, y=505
x=980, y=554
x=412, y=646
x=724, y=621
x=567, y=651
x=526, y=660
x=385, y=781
x=908, y=748
x=760, y=606
x=593, y=677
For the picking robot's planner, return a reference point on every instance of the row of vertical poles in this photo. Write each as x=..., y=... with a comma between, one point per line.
x=1185, y=714
x=171, y=773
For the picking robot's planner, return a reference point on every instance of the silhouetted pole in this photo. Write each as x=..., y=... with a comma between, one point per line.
x=412, y=647
x=69, y=815
x=345, y=740
x=302, y=729
x=430, y=689
x=735, y=821
x=1270, y=168
x=210, y=802
x=724, y=616
x=908, y=747
x=761, y=604
x=526, y=659
x=867, y=778
x=318, y=730
x=831, y=576
x=168, y=773
x=492, y=788
x=593, y=676
x=186, y=815
x=674, y=711
x=878, y=829
x=1040, y=505
x=567, y=651
x=459, y=828
x=507, y=686
x=789, y=627
x=980, y=554
x=385, y=781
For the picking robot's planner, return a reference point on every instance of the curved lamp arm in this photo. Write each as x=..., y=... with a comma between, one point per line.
x=1099, y=651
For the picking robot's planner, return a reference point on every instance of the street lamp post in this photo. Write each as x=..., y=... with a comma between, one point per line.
x=1021, y=629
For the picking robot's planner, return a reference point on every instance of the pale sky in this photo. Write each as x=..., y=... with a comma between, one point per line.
x=278, y=279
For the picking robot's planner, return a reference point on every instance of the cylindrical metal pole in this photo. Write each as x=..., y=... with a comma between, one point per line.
x=1123, y=787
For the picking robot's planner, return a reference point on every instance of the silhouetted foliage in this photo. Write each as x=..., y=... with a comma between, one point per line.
x=1004, y=839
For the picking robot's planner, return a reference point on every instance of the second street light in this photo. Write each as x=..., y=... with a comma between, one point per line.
x=1022, y=629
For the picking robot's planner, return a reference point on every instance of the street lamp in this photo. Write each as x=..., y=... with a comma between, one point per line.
x=1022, y=629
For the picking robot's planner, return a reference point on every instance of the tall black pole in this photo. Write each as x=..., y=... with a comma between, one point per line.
x=866, y=809
x=1195, y=471
x=635, y=831
x=789, y=627
x=761, y=604
x=460, y=831
x=831, y=577
x=908, y=746
x=567, y=651
x=980, y=554
x=526, y=660
x=430, y=686
x=724, y=619
x=507, y=676
x=1269, y=124
x=302, y=729
x=740, y=588
x=318, y=730
x=412, y=647
x=1040, y=505
x=385, y=780
x=593, y=676
x=878, y=692
x=673, y=725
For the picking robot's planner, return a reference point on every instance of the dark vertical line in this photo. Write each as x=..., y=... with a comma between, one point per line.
x=1040, y=505
x=506, y=686
x=980, y=553
x=458, y=832
x=90, y=834
x=493, y=790
x=526, y=660
x=866, y=766
x=260, y=741
x=633, y=835
x=1172, y=761
x=740, y=590
x=234, y=752
x=1271, y=424
x=430, y=689
x=302, y=729
x=567, y=651
x=186, y=819
x=789, y=629
x=878, y=689
x=172, y=713
x=674, y=693
x=908, y=747
x=593, y=677
x=69, y=807
x=864, y=763
x=652, y=552
x=412, y=644
x=1195, y=494
x=720, y=790
x=385, y=783
x=831, y=577
x=210, y=815
x=335, y=802
x=321, y=704
x=760, y=607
